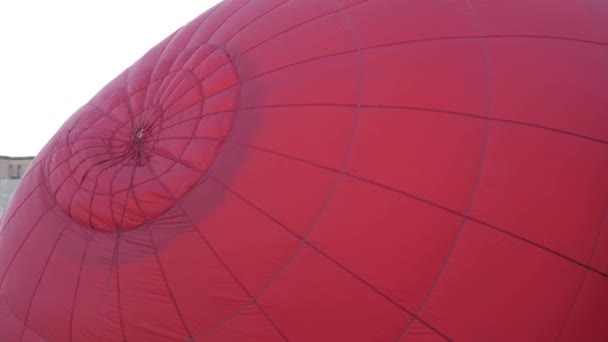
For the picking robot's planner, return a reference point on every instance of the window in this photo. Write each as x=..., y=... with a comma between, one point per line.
x=14, y=172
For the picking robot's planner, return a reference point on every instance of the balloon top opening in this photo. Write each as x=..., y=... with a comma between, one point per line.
x=138, y=136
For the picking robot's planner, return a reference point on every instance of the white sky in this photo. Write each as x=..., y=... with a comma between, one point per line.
x=56, y=54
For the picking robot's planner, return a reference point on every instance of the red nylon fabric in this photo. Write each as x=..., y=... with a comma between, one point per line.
x=315, y=170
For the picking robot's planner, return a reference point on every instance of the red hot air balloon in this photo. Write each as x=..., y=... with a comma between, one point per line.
x=329, y=170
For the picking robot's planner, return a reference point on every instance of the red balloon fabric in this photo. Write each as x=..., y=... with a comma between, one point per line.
x=328, y=170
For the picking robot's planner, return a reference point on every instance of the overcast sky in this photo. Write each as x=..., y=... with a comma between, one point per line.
x=55, y=55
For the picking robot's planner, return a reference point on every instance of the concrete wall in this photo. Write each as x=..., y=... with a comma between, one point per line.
x=12, y=170
x=7, y=187
x=14, y=167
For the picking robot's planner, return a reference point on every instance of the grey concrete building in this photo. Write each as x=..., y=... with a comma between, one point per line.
x=12, y=170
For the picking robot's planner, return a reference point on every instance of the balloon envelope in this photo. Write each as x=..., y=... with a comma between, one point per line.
x=344, y=170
